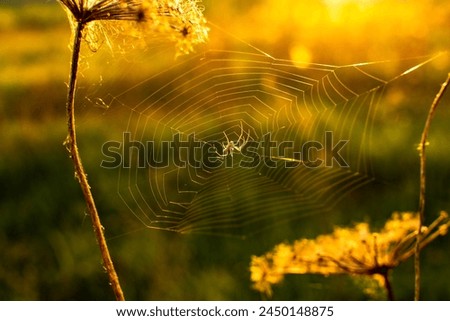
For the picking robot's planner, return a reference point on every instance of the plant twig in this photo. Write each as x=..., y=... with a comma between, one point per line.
x=421, y=148
x=80, y=174
x=388, y=286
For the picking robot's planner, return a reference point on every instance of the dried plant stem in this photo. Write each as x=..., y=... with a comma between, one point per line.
x=387, y=286
x=71, y=144
x=422, y=146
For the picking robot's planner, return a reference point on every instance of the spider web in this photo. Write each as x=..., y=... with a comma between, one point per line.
x=254, y=101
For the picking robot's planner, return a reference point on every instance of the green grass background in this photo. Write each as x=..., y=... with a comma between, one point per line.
x=48, y=251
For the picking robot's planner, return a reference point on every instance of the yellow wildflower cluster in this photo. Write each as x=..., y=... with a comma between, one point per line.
x=354, y=251
x=178, y=21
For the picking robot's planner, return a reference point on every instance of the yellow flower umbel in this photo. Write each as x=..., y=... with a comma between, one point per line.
x=178, y=21
x=354, y=251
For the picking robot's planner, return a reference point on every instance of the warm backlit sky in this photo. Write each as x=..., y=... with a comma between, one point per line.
x=338, y=31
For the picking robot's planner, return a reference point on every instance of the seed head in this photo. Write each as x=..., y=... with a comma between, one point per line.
x=178, y=21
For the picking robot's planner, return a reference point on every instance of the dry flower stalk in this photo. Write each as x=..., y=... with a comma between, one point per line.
x=421, y=148
x=179, y=20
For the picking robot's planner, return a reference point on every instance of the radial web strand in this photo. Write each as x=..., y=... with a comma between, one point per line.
x=234, y=142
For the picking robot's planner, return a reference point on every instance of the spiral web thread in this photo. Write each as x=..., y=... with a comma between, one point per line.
x=246, y=97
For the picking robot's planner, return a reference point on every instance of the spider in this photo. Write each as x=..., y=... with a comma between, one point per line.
x=230, y=146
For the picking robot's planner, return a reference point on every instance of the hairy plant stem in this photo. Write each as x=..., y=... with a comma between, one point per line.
x=422, y=146
x=80, y=174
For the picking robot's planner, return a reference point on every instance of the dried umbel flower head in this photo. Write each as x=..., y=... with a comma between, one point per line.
x=85, y=11
x=356, y=251
x=178, y=21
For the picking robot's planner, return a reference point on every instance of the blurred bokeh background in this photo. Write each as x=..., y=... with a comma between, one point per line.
x=47, y=247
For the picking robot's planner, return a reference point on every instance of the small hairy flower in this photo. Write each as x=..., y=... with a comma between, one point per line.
x=354, y=251
x=178, y=21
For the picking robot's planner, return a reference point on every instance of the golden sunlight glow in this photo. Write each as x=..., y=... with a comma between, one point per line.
x=338, y=8
x=339, y=4
x=345, y=31
x=300, y=53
